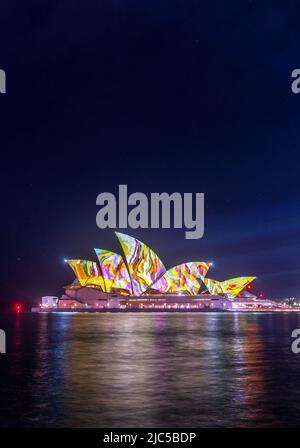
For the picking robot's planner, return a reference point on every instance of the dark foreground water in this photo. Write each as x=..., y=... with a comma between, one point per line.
x=142, y=370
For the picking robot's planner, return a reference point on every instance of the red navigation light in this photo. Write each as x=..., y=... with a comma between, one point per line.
x=249, y=286
x=18, y=308
x=261, y=295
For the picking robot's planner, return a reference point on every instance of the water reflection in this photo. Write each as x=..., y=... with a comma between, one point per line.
x=132, y=370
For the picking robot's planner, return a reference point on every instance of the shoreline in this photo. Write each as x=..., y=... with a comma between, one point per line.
x=156, y=310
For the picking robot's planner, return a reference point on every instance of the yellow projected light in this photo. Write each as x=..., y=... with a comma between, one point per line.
x=234, y=286
x=214, y=287
x=87, y=273
x=230, y=288
x=182, y=278
x=145, y=267
x=114, y=271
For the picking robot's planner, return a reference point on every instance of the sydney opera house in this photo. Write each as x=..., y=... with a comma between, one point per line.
x=140, y=281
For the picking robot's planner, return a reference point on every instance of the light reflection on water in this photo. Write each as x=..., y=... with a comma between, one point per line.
x=143, y=370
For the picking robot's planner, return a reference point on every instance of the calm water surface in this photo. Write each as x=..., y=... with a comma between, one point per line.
x=143, y=370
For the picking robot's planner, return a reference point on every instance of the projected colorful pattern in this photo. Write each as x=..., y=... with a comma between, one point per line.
x=234, y=286
x=144, y=265
x=230, y=288
x=147, y=272
x=182, y=278
x=87, y=272
x=214, y=287
x=114, y=270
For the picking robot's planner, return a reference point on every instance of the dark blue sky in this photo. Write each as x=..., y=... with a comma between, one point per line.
x=187, y=96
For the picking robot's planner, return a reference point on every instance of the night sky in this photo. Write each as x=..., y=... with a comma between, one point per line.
x=187, y=96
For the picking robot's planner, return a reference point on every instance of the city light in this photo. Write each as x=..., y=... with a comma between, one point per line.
x=18, y=308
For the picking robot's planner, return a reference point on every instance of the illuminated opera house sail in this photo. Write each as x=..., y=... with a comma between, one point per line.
x=141, y=273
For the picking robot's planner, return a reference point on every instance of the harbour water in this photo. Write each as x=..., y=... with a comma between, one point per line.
x=150, y=370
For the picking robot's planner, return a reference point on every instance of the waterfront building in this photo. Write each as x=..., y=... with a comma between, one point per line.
x=140, y=280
